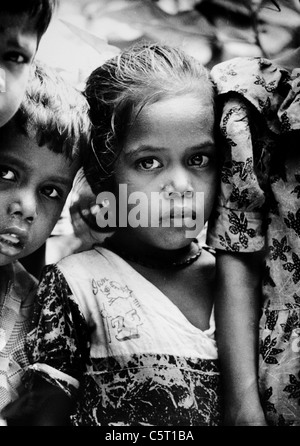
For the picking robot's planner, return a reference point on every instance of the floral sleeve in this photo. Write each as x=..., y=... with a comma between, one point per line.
x=57, y=345
x=237, y=221
x=249, y=93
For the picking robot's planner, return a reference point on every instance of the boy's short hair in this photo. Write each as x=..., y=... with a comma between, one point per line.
x=39, y=11
x=54, y=112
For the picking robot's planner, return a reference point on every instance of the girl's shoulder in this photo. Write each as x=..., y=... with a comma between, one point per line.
x=87, y=265
x=81, y=259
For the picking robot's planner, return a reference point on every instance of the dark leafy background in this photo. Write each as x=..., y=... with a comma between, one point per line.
x=84, y=33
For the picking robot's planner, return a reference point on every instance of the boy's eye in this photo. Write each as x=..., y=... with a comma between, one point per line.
x=149, y=164
x=51, y=192
x=16, y=57
x=7, y=174
x=198, y=160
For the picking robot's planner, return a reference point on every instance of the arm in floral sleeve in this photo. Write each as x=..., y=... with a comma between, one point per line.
x=236, y=234
x=249, y=91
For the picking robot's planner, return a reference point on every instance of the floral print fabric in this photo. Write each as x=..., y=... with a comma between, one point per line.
x=259, y=208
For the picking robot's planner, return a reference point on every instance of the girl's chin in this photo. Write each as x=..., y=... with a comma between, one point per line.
x=171, y=242
x=158, y=238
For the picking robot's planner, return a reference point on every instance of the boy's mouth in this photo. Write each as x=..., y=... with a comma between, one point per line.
x=12, y=243
x=10, y=239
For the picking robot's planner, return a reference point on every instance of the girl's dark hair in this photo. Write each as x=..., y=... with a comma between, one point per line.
x=119, y=89
x=54, y=112
x=39, y=11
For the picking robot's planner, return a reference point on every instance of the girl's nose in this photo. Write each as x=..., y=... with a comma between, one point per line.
x=24, y=206
x=179, y=183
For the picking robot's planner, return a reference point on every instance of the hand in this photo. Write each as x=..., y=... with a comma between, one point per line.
x=21, y=411
x=46, y=406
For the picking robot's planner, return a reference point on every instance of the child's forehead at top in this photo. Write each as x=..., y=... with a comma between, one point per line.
x=16, y=141
x=18, y=24
x=19, y=31
x=170, y=103
x=23, y=21
x=12, y=131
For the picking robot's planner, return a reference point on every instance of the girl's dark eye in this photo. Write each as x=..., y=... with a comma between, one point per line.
x=7, y=174
x=51, y=192
x=149, y=164
x=198, y=160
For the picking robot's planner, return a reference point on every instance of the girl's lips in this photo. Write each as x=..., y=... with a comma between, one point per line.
x=179, y=213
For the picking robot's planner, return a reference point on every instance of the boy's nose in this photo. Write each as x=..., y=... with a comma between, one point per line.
x=24, y=207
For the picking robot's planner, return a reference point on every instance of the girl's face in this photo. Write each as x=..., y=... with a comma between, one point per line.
x=169, y=151
x=34, y=185
x=18, y=44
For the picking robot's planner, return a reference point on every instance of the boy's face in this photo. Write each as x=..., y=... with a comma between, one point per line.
x=34, y=185
x=18, y=45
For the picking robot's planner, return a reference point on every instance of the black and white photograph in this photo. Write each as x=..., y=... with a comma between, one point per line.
x=150, y=216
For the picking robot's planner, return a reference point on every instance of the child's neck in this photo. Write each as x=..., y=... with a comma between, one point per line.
x=153, y=257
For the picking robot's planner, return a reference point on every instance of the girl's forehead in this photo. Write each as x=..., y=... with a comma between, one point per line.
x=178, y=122
x=175, y=111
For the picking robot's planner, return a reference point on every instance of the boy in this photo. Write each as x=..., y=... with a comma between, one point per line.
x=22, y=24
x=39, y=157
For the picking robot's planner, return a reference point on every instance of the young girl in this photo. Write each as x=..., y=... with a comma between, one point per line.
x=127, y=328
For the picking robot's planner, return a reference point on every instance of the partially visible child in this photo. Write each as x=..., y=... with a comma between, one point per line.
x=256, y=232
x=39, y=157
x=127, y=329
x=23, y=24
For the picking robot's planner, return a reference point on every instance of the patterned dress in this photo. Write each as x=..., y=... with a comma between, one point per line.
x=110, y=338
x=259, y=208
x=17, y=291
